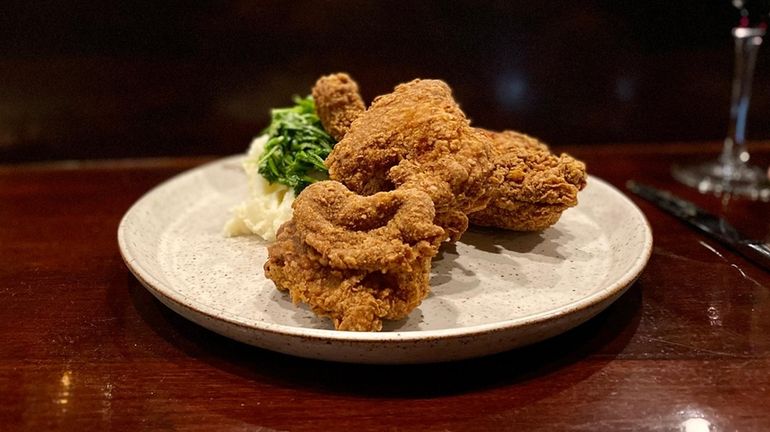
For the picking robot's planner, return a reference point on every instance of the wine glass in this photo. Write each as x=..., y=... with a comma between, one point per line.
x=731, y=173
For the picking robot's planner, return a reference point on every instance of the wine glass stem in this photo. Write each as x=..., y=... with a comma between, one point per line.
x=747, y=42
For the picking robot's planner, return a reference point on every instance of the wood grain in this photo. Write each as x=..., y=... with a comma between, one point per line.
x=87, y=79
x=84, y=346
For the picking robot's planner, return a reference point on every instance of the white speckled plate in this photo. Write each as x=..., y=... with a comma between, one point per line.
x=493, y=291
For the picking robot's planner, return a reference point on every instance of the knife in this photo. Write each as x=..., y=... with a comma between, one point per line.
x=716, y=227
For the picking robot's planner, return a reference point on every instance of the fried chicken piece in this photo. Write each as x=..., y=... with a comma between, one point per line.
x=338, y=103
x=357, y=260
x=418, y=138
x=537, y=185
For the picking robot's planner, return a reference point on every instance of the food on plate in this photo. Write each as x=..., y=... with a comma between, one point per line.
x=268, y=205
x=356, y=259
x=537, y=185
x=406, y=174
x=279, y=164
x=338, y=103
x=297, y=146
x=418, y=138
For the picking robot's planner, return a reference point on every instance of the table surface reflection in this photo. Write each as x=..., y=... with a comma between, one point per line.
x=84, y=345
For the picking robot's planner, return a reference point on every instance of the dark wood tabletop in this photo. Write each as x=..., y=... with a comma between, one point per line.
x=84, y=346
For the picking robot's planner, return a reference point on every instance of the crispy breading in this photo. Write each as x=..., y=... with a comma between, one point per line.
x=357, y=260
x=337, y=103
x=418, y=138
x=537, y=185
x=407, y=174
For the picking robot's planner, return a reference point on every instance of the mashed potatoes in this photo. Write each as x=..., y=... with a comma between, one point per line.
x=268, y=205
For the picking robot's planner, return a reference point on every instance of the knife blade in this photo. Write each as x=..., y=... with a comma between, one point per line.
x=716, y=227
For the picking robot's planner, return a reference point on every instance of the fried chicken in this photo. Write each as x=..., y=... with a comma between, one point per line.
x=418, y=138
x=537, y=185
x=407, y=173
x=338, y=103
x=354, y=259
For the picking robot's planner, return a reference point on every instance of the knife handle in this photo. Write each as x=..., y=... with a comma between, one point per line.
x=756, y=251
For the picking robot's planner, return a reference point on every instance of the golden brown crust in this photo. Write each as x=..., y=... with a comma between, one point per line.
x=337, y=103
x=357, y=260
x=418, y=138
x=537, y=185
x=421, y=171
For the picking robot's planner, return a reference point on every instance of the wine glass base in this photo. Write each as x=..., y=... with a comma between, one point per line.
x=711, y=177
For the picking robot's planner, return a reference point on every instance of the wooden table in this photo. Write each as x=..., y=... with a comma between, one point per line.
x=83, y=346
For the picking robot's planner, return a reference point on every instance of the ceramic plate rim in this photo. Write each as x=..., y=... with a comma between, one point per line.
x=162, y=289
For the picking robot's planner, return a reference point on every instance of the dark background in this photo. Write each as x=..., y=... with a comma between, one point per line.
x=148, y=78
